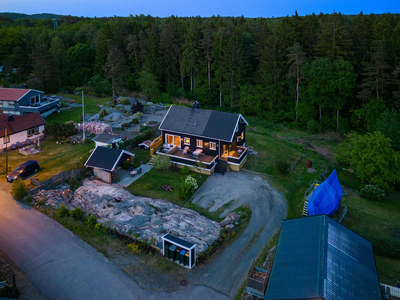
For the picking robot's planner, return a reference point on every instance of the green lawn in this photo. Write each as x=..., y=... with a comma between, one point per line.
x=149, y=185
x=141, y=155
x=75, y=113
x=53, y=158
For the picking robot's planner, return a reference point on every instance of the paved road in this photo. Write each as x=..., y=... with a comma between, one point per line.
x=62, y=266
x=228, y=271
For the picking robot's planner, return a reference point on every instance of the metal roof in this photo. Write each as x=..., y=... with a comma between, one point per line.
x=201, y=122
x=317, y=257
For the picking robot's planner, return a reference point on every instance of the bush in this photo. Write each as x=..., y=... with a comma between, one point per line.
x=143, y=127
x=314, y=126
x=185, y=170
x=372, y=192
x=18, y=189
x=91, y=221
x=59, y=130
x=126, y=125
x=103, y=113
x=161, y=162
x=62, y=211
x=188, y=186
x=135, y=121
x=134, y=248
x=145, y=135
x=77, y=213
x=282, y=167
x=125, y=101
x=138, y=115
x=99, y=227
x=148, y=186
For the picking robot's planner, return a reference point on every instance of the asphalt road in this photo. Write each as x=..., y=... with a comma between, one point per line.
x=228, y=270
x=62, y=266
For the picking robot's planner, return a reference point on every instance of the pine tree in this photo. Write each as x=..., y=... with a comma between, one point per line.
x=116, y=68
x=102, y=49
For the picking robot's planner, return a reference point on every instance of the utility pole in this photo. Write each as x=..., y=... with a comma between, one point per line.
x=5, y=130
x=83, y=116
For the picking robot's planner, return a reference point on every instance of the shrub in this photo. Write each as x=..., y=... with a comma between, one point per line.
x=188, y=186
x=18, y=189
x=143, y=127
x=372, y=192
x=282, y=167
x=185, y=170
x=58, y=130
x=98, y=227
x=148, y=186
x=103, y=113
x=161, y=162
x=77, y=213
x=135, y=121
x=62, y=211
x=136, y=235
x=138, y=115
x=314, y=126
x=126, y=125
x=134, y=248
x=125, y=101
x=91, y=220
x=137, y=139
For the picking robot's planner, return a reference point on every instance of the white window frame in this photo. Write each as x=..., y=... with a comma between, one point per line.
x=166, y=139
x=184, y=141
x=215, y=146
x=197, y=143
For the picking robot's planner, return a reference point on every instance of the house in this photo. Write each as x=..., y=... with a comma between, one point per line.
x=190, y=135
x=105, y=139
x=20, y=129
x=105, y=162
x=318, y=258
x=25, y=101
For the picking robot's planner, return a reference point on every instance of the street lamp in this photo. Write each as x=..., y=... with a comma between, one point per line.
x=5, y=129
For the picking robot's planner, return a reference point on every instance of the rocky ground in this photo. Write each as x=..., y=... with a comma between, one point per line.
x=151, y=218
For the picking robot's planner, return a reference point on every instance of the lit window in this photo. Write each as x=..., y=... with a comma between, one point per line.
x=213, y=146
x=11, y=104
x=200, y=143
x=186, y=141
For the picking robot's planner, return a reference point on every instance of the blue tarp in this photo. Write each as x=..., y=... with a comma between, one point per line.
x=326, y=198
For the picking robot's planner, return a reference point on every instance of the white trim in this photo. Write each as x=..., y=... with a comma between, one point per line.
x=175, y=243
x=244, y=119
x=201, y=136
x=180, y=139
x=129, y=153
x=197, y=143
x=119, y=157
x=85, y=165
x=164, y=117
x=234, y=130
x=232, y=163
x=184, y=142
x=215, y=148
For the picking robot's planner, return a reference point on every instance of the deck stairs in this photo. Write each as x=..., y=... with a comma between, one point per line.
x=151, y=160
x=220, y=168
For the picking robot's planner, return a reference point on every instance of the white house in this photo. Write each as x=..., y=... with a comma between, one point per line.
x=20, y=129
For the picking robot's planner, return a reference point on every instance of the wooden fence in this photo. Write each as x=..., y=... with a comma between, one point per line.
x=156, y=144
x=56, y=179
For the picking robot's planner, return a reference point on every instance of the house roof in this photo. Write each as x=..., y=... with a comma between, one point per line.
x=201, y=122
x=11, y=94
x=317, y=258
x=105, y=138
x=20, y=123
x=178, y=241
x=106, y=158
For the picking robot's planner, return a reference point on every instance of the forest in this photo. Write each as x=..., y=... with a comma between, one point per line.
x=324, y=72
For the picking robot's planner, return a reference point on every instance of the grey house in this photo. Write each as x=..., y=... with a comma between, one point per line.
x=25, y=101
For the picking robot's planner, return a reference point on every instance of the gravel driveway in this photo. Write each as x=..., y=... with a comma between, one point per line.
x=227, y=271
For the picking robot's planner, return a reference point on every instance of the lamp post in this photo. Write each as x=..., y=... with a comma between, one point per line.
x=5, y=129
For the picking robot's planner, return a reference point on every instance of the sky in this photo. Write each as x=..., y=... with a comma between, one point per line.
x=203, y=8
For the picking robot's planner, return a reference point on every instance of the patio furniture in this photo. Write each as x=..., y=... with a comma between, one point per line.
x=185, y=150
x=19, y=145
x=197, y=152
x=28, y=142
x=240, y=151
x=13, y=146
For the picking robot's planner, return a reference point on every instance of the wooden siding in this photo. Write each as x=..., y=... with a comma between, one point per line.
x=157, y=143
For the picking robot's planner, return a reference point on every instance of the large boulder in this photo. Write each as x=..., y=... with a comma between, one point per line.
x=231, y=218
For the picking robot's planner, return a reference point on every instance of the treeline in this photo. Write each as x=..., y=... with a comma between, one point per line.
x=327, y=71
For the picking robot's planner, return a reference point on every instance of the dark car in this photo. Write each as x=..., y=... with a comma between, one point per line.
x=23, y=170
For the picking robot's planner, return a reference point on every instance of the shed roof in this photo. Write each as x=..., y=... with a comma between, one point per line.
x=178, y=241
x=201, y=122
x=106, y=158
x=318, y=258
x=12, y=94
x=105, y=138
x=19, y=123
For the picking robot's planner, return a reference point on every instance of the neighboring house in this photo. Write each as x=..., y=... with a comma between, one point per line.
x=318, y=258
x=105, y=162
x=105, y=139
x=20, y=128
x=25, y=101
x=190, y=135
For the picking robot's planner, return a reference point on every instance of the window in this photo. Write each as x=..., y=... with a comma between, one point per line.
x=240, y=137
x=32, y=100
x=186, y=141
x=173, y=140
x=213, y=146
x=33, y=131
x=11, y=104
x=200, y=143
x=1, y=103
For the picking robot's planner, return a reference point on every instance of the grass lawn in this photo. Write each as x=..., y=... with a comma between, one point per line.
x=149, y=185
x=53, y=158
x=75, y=113
x=141, y=155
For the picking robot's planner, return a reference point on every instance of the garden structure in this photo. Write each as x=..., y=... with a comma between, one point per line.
x=203, y=139
x=105, y=162
x=318, y=258
x=178, y=250
x=105, y=139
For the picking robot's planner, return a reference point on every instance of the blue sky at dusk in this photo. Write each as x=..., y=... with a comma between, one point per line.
x=203, y=8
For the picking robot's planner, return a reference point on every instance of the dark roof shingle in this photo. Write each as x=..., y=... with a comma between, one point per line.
x=20, y=123
x=104, y=158
x=200, y=122
x=105, y=138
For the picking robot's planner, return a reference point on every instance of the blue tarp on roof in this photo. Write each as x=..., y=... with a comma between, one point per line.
x=326, y=198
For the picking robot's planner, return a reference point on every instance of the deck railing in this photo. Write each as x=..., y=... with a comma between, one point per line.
x=157, y=143
x=238, y=159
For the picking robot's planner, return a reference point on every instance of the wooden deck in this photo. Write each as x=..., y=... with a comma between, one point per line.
x=202, y=157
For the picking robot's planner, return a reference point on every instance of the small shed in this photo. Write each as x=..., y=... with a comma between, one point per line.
x=178, y=250
x=105, y=161
x=318, y=258
x=105, y=139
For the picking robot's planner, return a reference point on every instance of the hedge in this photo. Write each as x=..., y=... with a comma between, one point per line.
x=131, y=143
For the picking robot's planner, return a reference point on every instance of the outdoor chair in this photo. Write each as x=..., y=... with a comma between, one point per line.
x=13, y=146
x=19, y=145
x=28, y=142
x=185, y=150
x=197, y=152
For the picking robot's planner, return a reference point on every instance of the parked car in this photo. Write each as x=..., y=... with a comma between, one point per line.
x=23, y=170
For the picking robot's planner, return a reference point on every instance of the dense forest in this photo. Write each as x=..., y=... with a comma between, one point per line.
x=326, y=71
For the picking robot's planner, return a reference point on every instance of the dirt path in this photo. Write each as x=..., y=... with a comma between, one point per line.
x=227, y=271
